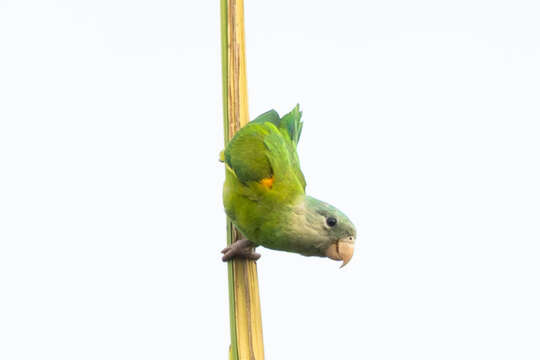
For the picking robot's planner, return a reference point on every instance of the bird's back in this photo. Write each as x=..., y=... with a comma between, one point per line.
x=263, y=170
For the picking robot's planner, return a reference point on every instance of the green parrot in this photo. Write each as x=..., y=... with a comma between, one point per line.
x=264, y=195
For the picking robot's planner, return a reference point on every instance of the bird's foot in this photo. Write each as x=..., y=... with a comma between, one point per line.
x=242, y=249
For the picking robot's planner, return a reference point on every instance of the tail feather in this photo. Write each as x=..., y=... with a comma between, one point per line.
x=271, y=116
x=291, y=122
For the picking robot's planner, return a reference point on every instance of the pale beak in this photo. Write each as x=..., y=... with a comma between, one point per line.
x=342, y=249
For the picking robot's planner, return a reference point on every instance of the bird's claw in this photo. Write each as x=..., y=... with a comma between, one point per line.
x=242, y=248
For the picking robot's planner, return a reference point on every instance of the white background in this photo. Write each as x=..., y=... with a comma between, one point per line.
x=421, y=123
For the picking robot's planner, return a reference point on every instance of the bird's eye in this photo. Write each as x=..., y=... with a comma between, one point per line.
x=331, y=221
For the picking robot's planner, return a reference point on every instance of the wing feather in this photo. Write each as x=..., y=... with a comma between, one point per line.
x=266, y=148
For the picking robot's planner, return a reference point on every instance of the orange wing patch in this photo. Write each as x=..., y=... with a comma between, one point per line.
x=268, y=182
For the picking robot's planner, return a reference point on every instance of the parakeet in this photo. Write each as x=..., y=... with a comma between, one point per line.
x=264, y=195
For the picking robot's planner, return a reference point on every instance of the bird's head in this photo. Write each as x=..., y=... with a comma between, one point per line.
x=327, y=230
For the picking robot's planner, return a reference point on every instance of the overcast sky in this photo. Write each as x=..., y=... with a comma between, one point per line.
x=422, y=123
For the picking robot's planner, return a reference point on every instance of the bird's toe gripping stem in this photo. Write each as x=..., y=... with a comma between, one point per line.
x=242, y=248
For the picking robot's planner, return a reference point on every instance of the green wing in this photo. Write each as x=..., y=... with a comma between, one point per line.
x=247, y=156
x=266, y=148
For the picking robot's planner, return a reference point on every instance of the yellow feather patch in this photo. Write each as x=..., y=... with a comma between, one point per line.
x=268, y=182
x=228, y=168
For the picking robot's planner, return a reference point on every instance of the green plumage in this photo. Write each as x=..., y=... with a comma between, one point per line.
x=264, y=191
